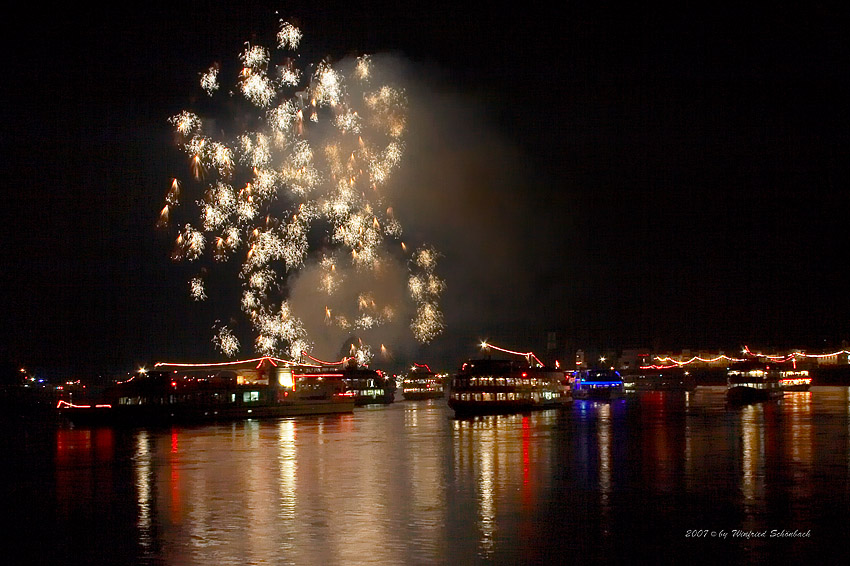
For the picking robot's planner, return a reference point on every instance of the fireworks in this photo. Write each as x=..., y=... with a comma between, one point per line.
x=226, y=341
x=196, y=286
x=315, y=151
x=425, y=288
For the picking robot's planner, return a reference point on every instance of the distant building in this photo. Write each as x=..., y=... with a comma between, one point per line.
x=632, y=359
x=838, y=358
x=581, y=362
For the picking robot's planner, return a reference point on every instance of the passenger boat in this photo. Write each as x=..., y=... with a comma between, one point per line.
x=668, y=381
x=597, y=384
x=367, y=386
x=795, y=380
x=422, y=383
x=259, y=388
x=506, y=386
x=752, y=383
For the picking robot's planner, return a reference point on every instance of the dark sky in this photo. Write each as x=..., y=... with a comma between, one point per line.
x=650, y=178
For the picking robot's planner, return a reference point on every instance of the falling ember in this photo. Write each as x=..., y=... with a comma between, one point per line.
x=163, y=217
x=265, y=193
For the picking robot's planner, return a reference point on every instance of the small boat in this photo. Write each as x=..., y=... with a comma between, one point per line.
x=795, y=380
x=188, y=393
x=597, y=384
x=752, y=383
x=422, y=383
x=367, y=386
x=659, y=382
x=485, y=386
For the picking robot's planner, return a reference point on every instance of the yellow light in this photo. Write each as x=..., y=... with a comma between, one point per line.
x=284, y=377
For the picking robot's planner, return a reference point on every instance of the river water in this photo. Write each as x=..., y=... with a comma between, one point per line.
x=630, y=481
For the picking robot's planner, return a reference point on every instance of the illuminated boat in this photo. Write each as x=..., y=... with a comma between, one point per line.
x=795, y=380
x=366, y=386
x=421, y=383
x=260, y=388
x=752, y=383
x=506, y=386
x=597, y=384
x=672, y=381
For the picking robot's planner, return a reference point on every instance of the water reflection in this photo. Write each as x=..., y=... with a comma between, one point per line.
x=603, y=434
x=409, y=484
x=144, y=477
x=752, y=453
x=503, y=461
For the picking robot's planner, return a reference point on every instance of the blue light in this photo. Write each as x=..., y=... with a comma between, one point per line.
x=601, y=383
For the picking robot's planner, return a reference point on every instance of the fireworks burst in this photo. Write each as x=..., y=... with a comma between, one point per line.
x=317, y=151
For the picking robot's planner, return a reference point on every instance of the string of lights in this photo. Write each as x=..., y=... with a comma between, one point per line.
x=527, y=355
x=668, y=362
x=272, y=360
x=324, y=363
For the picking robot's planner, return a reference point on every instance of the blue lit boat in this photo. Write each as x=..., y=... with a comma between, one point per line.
x=597, y=384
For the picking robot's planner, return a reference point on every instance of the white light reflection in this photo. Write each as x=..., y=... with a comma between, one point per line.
x=259, y=491
x=845, y=392
x=142, y=459
x=689, y=461
x=604, y=437
x=425, y=471
x=800, y=405
x=752, y=473
x=486, y=488
x=287, y=475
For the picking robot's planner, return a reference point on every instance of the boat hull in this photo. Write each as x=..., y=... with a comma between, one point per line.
x=420, y=396
x=743, y=395
x=802, y=387
x=382, y=398
x=470, y=408
x=599, y=394
x=187, y=414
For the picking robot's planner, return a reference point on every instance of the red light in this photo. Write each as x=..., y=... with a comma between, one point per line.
x=173, y=384
x=524, y=374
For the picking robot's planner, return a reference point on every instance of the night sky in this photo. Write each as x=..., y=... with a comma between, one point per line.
x=640, y=178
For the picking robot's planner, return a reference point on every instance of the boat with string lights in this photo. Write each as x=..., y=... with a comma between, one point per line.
x=422, y=383
x=795, y=380
x=487, y=386
x=597, y=384
x=187, y=393
x=367, y=386
x=752, y=382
